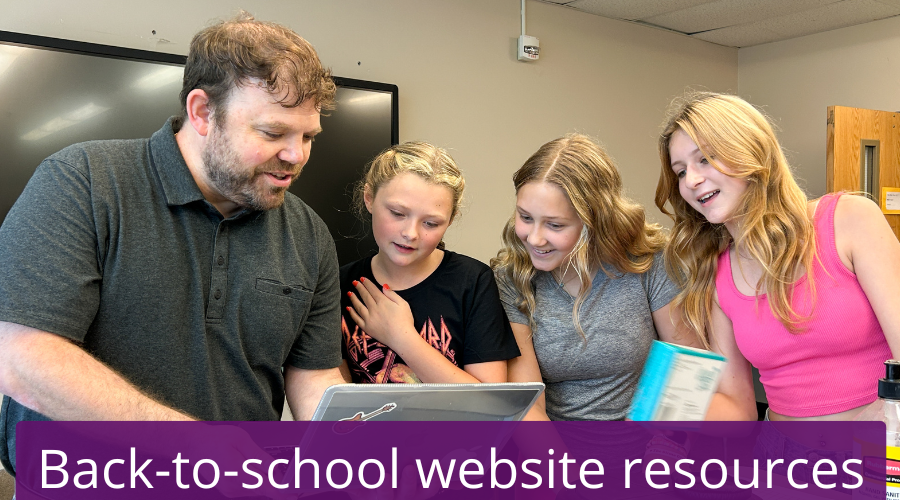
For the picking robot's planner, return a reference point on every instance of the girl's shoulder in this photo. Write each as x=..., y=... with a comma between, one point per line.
x=659, y=261
x=852, y=206
x=356, y=269
x=656, y=268
x=844, y=206
x=856, y=220
x=463, y=265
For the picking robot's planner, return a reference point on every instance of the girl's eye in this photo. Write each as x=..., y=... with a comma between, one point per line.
x=555, y=227
x=704, y=160
x=396, y=213
x=525, y=218
x=431, y=225
x=680, y=174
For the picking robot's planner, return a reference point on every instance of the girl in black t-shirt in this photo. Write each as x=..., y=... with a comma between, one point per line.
x=414, y=312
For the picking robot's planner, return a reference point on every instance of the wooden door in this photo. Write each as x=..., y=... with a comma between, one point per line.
x=863, y=153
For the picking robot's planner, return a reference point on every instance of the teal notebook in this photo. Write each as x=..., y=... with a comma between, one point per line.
x=677, y=383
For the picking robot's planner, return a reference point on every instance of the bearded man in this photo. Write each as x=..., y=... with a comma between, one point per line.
x=174, y=278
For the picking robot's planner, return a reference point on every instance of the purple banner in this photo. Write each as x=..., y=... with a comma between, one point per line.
x=472, y=460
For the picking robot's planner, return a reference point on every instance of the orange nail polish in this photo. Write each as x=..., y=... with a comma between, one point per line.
x=349, y=294
x=386, y=287
x=355, y=282
x=363, y=279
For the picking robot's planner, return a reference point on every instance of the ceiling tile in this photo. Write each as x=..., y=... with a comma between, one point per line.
x=725, y=13
x=741, y=23
x=833, y=16
x=633, y=10
x=740, y=36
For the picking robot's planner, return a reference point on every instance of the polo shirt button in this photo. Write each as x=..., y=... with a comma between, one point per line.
x=220, y=260
x=286, y=290
x=218, y=294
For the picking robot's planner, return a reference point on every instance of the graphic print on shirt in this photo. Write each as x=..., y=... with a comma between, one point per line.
x=375, y=363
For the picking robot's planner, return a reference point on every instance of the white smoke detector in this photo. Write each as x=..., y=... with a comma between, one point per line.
x=529, y=48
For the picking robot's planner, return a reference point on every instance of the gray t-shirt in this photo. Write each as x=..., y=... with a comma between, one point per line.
x=593, y=378
x=113, y=246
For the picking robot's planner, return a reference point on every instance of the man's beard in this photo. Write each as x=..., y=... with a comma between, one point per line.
x=243, y=186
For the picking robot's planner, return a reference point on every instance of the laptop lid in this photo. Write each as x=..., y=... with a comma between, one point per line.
x=424, y=402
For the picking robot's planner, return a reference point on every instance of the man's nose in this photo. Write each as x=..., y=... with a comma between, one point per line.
x=295, y=153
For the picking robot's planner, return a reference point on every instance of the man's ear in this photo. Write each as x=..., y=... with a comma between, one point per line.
x=368, y=197
x=198, y=111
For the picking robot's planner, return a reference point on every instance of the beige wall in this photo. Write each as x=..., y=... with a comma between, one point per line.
x=460, y=85
x=796, y=80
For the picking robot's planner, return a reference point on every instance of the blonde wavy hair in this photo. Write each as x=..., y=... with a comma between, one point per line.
x=431, y=163
x=775, y=228
x=615, y=232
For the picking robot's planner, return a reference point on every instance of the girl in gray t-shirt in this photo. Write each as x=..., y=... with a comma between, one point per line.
x=583, y=282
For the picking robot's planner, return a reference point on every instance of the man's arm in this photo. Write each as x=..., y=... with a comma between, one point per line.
x=304, y=388
x=51, y=375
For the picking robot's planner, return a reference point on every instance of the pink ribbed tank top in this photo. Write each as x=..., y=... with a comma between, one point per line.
x=834, y=364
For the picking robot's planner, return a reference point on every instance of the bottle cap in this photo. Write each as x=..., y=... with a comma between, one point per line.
x=889, y=386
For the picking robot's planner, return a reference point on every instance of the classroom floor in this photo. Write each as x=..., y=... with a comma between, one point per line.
x=7, y=485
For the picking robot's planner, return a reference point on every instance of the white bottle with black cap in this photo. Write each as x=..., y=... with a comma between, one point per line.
x=887, y=409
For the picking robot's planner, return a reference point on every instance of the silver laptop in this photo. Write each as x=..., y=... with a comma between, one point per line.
x=351, y=404
x=425, y=402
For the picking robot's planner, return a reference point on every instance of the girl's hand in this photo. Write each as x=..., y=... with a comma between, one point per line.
x=387, y=318
x=381, y=313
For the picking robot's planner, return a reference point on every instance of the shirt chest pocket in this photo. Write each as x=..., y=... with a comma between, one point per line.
x=273, y=287
x=275, y=314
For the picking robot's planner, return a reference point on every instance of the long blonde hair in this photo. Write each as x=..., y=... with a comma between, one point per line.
x=775, y=228
x=615, y=232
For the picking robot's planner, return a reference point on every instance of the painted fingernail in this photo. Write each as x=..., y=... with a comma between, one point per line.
x=349, y=294
x=348, y=308
x=386, y=287
x=363, y=279
x=355, y=282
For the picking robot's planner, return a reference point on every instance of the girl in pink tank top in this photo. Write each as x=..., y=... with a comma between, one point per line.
x=795, y=287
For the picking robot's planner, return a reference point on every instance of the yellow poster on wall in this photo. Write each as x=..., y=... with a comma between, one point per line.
x=890, y=200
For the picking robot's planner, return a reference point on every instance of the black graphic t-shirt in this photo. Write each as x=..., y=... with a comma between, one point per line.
x=456, y=309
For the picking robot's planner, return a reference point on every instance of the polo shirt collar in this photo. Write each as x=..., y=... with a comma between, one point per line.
x=177, y=183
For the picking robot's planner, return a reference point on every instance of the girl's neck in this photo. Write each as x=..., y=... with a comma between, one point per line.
x=733, y=226
x=567, y=278
x=739, y=253
x=403, y=277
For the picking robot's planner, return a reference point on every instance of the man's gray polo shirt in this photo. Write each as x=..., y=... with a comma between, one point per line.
x=113, y=246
